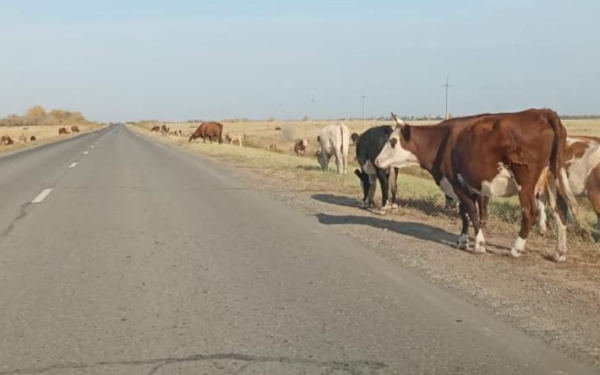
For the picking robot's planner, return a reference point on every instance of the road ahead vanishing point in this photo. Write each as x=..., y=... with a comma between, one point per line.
x=119, y=255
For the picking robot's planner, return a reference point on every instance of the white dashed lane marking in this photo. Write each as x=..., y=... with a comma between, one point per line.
x=92, y=146
x=87, y=152
x=73, y=165
x=42, y=196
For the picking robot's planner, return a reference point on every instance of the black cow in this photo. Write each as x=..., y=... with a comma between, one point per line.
x=368, y=147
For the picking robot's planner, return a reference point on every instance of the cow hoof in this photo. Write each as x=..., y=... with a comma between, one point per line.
x=479, y=249
x=558, y=258
x=515, y=253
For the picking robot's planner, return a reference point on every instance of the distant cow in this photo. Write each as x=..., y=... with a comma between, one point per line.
x=6, y=140
x=233, y=137
x=368, y=147
x=178, y=132
x=155, y=129
x=22, y=138
x=278, y=128
x=210, y=130
x=273, y=147
x=300, y=147
x=32, y=138
x=334, y=141
x=354, y=137
x=74, y=129
x=63, y=131
x=164, y=130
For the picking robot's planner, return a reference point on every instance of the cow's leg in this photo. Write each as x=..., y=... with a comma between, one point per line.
x=383, y=183
x=468, y=204
x=463, y=239
x=594, y=197
x=393, y=186
x=528, y=207
x=339, y=162
x=371, y=191
x=482, y=204
x=541, y=213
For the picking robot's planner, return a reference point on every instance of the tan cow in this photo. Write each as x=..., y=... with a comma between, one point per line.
x=22, y=138
x=233, y=137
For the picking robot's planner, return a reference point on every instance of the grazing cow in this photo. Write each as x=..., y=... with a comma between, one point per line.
x=22, y=138
x=582, y=156
x=164, y=130
x=210, y=130
x=178, y=132
x=6, y=140
x=155, y=129
x=491, y=155
x=300, y=147
x=232, y=137
x=334, y=141
x=354, y=137
x=74, y=129
x=32, y=138
x=368, y=147
x=278, y=128
x=63, y=131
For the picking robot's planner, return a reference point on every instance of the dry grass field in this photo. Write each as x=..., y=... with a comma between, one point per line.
x=43, y=133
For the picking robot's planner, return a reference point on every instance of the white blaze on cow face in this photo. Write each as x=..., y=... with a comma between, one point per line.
x=394, y=155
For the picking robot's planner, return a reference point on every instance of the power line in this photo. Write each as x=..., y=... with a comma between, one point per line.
x=447, y=86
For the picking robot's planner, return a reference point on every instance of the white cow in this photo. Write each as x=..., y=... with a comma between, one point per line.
x=334, y=141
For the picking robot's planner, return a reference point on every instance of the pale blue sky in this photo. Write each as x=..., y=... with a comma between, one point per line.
x=180, y=59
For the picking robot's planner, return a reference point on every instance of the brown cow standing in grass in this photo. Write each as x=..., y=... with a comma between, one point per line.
x=74, y=129
x=63, y=131
x=300, y=147
x=32, y=138
x=155, y=129
x=233, y=137
x=492, y=155
x=208, y=130
x=6, y=140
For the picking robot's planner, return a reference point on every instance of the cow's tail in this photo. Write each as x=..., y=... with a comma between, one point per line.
x=559, y=173
x=345, y=145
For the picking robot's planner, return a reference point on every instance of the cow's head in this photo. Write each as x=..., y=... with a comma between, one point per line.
x=398, y=150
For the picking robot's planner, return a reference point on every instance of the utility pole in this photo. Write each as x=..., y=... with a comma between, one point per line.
x=363, y=97
x=312, y=115
x=447, y=85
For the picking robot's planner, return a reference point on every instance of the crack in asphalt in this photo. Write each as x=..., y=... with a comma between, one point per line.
x=350, y=367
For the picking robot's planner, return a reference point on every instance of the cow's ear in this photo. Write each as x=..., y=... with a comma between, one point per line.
x=406, y=131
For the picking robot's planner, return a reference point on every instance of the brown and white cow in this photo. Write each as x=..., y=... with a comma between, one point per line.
x=6, y=140
x=491, y=155
x=233, y=137
x=300, y=147
x=164, y=130
x=582, y=156
x=155, y=129
x=334, y=141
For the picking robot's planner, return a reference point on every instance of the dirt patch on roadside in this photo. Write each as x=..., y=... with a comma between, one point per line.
x=558, y=303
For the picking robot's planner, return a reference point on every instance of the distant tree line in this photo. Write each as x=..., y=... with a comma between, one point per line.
x=37, y=115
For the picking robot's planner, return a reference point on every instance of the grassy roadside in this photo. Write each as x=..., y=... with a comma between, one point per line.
x=420, y=199
x=44, y=133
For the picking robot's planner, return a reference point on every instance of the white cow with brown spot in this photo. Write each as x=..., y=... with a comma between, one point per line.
x=582, y=156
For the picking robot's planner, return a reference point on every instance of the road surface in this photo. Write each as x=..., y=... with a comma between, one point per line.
x=119, y=255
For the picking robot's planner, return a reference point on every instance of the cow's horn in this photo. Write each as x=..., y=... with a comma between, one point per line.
x=398, y=120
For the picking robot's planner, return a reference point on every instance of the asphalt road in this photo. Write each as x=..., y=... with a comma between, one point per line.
x=143, y=259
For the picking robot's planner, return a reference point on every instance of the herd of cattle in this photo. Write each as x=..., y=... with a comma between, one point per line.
x=471, y=159
x=475, y=158
x=6, y=140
